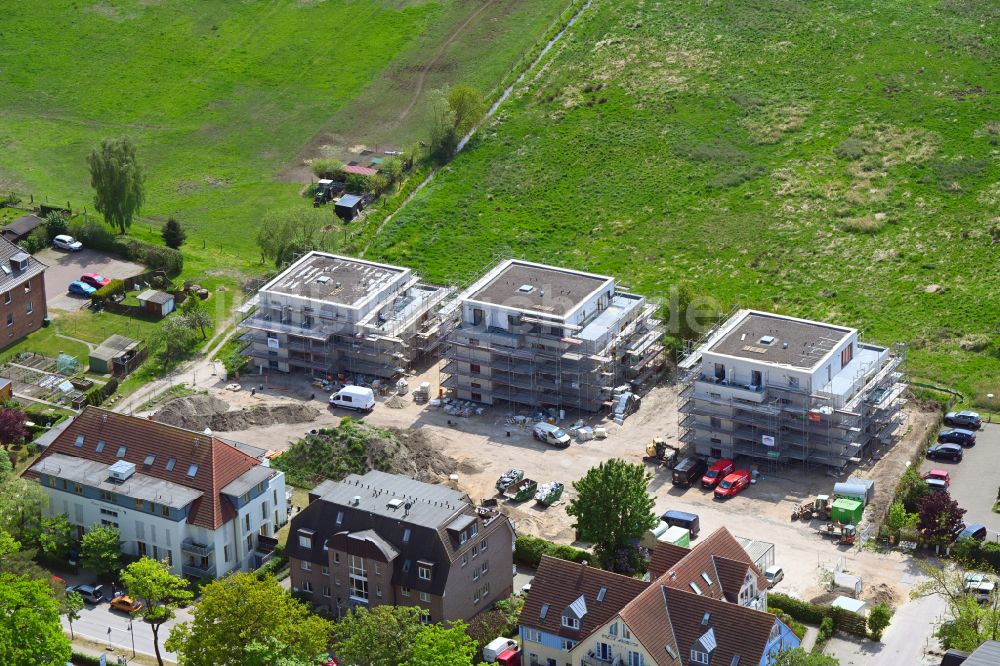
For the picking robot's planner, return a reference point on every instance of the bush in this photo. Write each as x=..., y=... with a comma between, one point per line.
x=328, y=168
x=803, y=611
x=97, y=395
x=878, y=620
x=797, y=627
x=826, y=629
x=81, y=659
x=56, y=224
x=529, y=550
x=112, y=288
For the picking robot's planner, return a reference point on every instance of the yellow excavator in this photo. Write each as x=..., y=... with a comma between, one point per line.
x=661, y=453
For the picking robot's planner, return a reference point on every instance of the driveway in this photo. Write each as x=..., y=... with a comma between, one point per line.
x=65, y=267
x=974, y=481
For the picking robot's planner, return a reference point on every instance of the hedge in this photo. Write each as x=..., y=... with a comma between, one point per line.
x=976, y=554
x=80, y=659
x=112, y=288
x=803, y=611
x=157, y=257
x=99, y=394
x=529, y=550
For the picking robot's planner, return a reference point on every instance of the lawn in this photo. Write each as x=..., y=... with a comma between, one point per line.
x=225, y=99
x=833, y=160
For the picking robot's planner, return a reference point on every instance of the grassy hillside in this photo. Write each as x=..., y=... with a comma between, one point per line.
x=835, y=160
x=223, y=98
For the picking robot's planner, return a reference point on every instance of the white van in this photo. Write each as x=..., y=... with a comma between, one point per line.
x=354, y=397
x=550, y=434
x=496, y=647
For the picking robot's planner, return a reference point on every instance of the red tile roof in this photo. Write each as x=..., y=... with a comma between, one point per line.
x=219, y=463
x=718, y=555
x=360, y=170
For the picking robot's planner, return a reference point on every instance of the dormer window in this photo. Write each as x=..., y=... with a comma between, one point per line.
x=424, y=570
x=570, y=622
x=305, y=538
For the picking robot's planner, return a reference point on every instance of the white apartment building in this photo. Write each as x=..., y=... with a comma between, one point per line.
x=201, y=504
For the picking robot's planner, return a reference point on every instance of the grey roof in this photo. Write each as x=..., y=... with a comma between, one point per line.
x=371, y=535
x=796, y=342
x=755, y=549
x=348, y=201
x=23, y=225
x=461, y=523
x=95, y=474
x=50, y=435
x=248, y=449
x=987, y=654
x=334, y=279
x=247, y=480
x=555, y=291
x=155, y=296
x=113, y=346
x=8, y=276
x=430, y=505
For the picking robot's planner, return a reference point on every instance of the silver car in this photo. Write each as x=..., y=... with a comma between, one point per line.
x=64, y=242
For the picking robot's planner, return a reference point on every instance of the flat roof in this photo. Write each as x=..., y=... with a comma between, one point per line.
x=772, y=338
x=334, y=279
x=527, y=286
x=431, y=505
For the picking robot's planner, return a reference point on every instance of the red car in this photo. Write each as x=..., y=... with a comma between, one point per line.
x=938, y=474
x=733, y=484
x=95, y=280
x=719, y=470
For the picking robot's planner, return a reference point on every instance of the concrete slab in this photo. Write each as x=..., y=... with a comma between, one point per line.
x=65, y=267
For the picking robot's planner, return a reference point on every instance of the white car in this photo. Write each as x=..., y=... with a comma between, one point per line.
x=774, y=575
x=64, y=242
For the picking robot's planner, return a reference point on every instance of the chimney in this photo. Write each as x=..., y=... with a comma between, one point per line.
x=356, y=501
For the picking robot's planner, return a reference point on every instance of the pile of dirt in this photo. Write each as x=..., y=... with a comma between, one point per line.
x=355, y=447
x=880, y=594
x=197, y=412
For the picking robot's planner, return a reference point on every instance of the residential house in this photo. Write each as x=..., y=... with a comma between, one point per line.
x=382, y=538
x=548, y=337
x=328, y=316
x=22, y=293
x=783, y=390
x=189, y=498
x=703, y=606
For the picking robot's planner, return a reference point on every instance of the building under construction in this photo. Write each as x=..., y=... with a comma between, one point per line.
x=328, y=316
x=547, y=337
x=784, y=390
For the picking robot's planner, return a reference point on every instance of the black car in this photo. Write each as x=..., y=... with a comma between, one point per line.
x=964, y=419
x=957, y=436
x=945, y=452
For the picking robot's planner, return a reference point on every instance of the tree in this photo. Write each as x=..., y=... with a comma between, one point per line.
x=21, y=504
x=392, y=168
x=382, y=636
x=443, y=136
x=272, y=652
x=911, y=489
x=972, y=622
x=72, y=604
x=436, y=645
x=940, y=517
x=173, y=234
x=612, y=509
x=12, y=428
x=56, y=537
x=799, y=657
x=899, y=519
x=101, y=550
x=243, y=608
x=467, y=105
x=118, y=181
x=177, y=336
x=327, y=168
x=878, y=619
x=160, y=591
x=30, y=632
x=194, y=314
x=56, y=224
x=286, y=235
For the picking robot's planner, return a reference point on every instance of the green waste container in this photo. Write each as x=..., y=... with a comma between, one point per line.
x=847, y=511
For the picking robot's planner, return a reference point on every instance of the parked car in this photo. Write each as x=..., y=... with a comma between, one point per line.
x=980, y=585
x=81, y=288
x=717, y=471
x=732, y=484
x=359, y=398
x=938, y=474
x=95, y=280
x=92, y=594
x=126, y=604
x=975, y=531
x=957, y=436
x=496, y=647
x=688, y=471
x=774, y=575
x=550, y=434
x=64, y=242
x=964, y=419
x=688, y=521
x=945, y=452
x=937, y=485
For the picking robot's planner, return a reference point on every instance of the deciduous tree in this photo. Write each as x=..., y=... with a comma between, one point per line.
x=437, y=645
x=940, y=517
x=612, y=508
x=911, y=489
x=30, y=632
x=799, y=657
x=56, y=224
x=118, y=181
x=194, y=313
x=878, y=619
x=12, y=428
x=241, y=608
x=173, y=234
x=160, y=591
x=72, y=604
x=382, y=636
x=467, y=105
x=101, y=550
x=272, y=652
x=56, y=537
x=286, y=235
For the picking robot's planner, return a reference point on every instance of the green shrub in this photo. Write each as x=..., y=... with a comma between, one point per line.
x=826, y=629
x=80, y=659
x=802, y=611
x=112, y=288
x=328, y=168
x=529, y=550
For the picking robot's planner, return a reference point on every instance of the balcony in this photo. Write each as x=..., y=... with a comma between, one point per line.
x=591, y=659
x=197, y=570
x=194, y=548
x=750, y=392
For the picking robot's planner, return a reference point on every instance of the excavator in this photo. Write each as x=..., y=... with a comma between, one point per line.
x=661, y=453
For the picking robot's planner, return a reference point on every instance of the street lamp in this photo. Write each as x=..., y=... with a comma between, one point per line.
x=109, y=639
x=133, y=635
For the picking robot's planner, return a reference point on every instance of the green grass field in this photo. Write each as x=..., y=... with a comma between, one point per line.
x=834, y=160
x=225, y=99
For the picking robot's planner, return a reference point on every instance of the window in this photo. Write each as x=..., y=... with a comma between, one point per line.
x=486, y=566
x=359, y=588
x=306, y=566
x=378, y=591
x=475, y=551
x=340, y=517
x=568, y=644
x=475, y=596
x=165, y=511
x=326, y=590
x=425, y=597
x=425, y=617
x=626, y=634
x=7, y=298
x=10, y=318
x=245, y=497
x=192, y=470
x=326, y=571
x=140, y=548
x=697, y=657
x=406, y=535
x=465, y=559
x=475, y=574
x=29, y=308
x=463, y=537
x=336, y=557
x=307, y=586
x=27, y=286
x=138, y=505
x=533, y=635
x=570, y=622
x=79, y=441
x=170, y=464
x=225, y=552
x=305, y=541
x=249, y=542
x=635, y=658
x=475, y=368
x=246, y=521
x=473, y=530
x=715, y=422
x=100, y=446
x=482, y=546
x=845, y=356
x=263, y=511
x=378, y=570
x=694, y=586
x=357, y=566
x=423, y=573
x=613, y=629
x=793, y=382
x=52, y=481
x=121, y=452
x=107, y=496
x=77, y=488
x=405, y=591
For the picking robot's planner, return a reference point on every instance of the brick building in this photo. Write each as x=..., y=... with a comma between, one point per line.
x=22, y=293
x=388, y=539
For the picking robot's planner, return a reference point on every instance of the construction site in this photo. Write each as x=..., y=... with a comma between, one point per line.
x=785, y=391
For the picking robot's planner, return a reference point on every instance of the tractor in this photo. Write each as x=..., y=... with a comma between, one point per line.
x=661, y=453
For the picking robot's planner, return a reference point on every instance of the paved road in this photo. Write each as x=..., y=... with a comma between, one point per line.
x=974, y=481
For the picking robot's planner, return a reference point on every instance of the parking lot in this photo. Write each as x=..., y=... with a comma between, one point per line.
x=65, y=267
x=974, y=481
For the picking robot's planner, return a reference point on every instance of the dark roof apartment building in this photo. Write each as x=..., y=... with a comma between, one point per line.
x=388, y=539
x=702, y=607
x=22, y=293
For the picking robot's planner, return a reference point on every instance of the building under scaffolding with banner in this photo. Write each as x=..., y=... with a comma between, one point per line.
x=783, y=391
x=331, y=316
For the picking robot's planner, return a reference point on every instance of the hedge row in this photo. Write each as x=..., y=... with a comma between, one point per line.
x=112, y=288
x=803, y=611
x=157, y=257
x=97, y=395
x=976, y=554
x=529, y=550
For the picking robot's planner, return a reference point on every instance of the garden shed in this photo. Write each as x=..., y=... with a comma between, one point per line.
x=118, y=356
x=349, y=207
x=156, y=303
